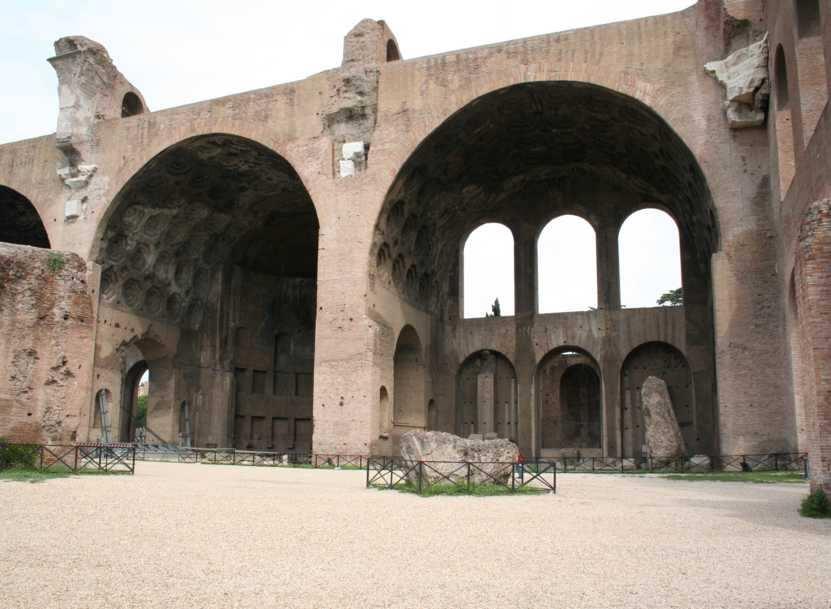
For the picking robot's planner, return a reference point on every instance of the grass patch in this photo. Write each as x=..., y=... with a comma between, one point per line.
x=479, y=490
x=25, y=474
x=56, y=262
x=816, y=505
x=755, y=477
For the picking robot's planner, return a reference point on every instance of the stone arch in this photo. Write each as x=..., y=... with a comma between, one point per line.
x=409, y=380
x=209, y=199
x=669, y=364
x=503, y=144
x=217, y=233
x=783, y=121
x=20, y=222
x=486, y=395
x=129, y=401
x=569, y=403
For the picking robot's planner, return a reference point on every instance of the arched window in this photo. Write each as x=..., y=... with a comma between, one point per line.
x=392, y=51
x=810, y=65
x=566, y=266
x=784, y=126
x=408, y=372
x=131, y=105
x=488, y=265
x=650, y=260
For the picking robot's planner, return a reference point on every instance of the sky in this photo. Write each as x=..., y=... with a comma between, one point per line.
x=648, y=247
x=182, y=51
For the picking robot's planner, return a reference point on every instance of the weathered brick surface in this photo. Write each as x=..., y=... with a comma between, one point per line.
x=46, y=327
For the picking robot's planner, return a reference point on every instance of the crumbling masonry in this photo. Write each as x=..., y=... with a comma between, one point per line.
x=287, y=262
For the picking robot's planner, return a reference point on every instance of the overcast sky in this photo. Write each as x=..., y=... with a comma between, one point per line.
x=650, y=264
x=181, y=51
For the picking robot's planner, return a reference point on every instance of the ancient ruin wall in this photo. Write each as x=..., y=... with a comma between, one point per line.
x=46, y=325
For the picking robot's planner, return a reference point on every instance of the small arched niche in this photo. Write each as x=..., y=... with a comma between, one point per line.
x=131, y=105
x=570, y=402
x=488, y=270
x=650, y=260
x=392, y=51
x=566, y=266
x=408, y=391
x=384, y=414
x=486, y=396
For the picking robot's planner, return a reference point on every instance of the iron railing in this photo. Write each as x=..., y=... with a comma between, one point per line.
x=449, y=477
x=234, y=456
x=76, y=458
x=697, y=464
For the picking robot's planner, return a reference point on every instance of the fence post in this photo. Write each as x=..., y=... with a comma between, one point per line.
x=337, y=461
x=468, y=476
x=513, y=477
x=314, y=457
x=776, y=462
x=420, y=476
x=367, y=473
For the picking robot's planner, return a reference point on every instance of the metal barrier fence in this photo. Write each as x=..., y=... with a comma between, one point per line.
x=433, y=477
x=698, y=464
x=75, y=458
x=233, y=456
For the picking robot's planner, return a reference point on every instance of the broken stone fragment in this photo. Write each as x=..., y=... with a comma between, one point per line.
x=744, y=75
x=663, y=436
x=491, y=456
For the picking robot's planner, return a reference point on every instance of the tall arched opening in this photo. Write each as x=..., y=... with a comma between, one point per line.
x=408, y=397
x=214, y=242
x=486, y=396
x=520, y=156
x=570, y=403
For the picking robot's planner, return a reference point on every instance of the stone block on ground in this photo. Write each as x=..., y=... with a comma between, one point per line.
x=490, y=456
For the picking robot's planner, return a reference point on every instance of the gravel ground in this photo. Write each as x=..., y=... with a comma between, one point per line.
x=223, y=536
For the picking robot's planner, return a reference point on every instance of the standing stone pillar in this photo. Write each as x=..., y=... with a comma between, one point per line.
x=525, y=278
x=485, y=394
x=608, y=267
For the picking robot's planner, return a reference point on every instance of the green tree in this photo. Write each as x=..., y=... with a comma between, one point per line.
x=141, y=411
x=673, y=297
